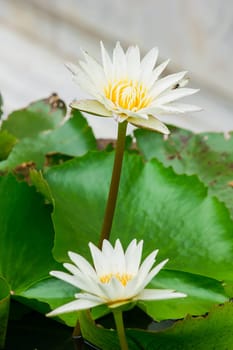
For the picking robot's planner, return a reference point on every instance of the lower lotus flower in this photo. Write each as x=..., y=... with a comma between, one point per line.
x=117, y=277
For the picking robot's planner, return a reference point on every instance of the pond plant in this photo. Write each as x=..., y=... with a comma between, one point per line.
x=105, y=208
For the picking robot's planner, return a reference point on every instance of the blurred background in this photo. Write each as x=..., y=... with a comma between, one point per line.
x=38, y=36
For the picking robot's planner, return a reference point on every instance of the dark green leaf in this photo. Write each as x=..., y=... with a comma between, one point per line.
x=26, y=235
x=4, y=310
x=53, y=292
x=35, y=331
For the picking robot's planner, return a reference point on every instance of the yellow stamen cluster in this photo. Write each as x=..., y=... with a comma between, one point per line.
x=123, y=278
x=127, y=94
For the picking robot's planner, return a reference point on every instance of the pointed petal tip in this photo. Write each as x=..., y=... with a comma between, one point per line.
x=71, y=67
x=49, y=314
x=70, y=254
x=181, y=295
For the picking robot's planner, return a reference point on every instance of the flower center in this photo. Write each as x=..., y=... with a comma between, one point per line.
x=127, y=94
x=124, y=278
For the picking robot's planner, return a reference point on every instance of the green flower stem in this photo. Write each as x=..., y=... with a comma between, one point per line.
x=120, y=329
x=116, y=174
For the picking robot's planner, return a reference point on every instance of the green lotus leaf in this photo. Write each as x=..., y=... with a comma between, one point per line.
x=4, y=309
x=208, y=155
x=171, y=212
x=205, y=333
x=73, y=138
x=39, y=116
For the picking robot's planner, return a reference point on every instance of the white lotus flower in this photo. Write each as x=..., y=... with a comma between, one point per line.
x=128, y=88
x=117, y=277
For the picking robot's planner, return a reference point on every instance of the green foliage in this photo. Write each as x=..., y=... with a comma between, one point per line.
x=168, y=211
x=205, y=333
x=172, y=213
x=52, y=292
x=175, y=194
x=38, y=117
x=7, y=141
x=40, y=132
x=26, y=235
x=4, y=309
x=207, y=155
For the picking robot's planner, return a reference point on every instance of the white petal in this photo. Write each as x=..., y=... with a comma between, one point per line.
x=119, y=63
x=91, y=107
x=186, y=107
x=176, y=108
x=147, y=65
x=133, y=257
x=174, y=95
x=107, y=248
x=152, y=124
x=120, y=118
x=71, y=268
x=166, y=83
x=90, y=297
x=153, y=273
x=142, y=113
x=107, y=63
x=110, y=257
x=118, y=263
x=82, y=264
x=99, y=260
x=72, y=68
x=94, y=70
x=75, y=305
x=113, y=290
x=140, y=280
x=66, y=277
x=147, y=265
x=84, y=82
x=149, y=60
x=183, y=82
x=157, y=72
x=81, y=281
x=159, y=294
x=133, y=62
